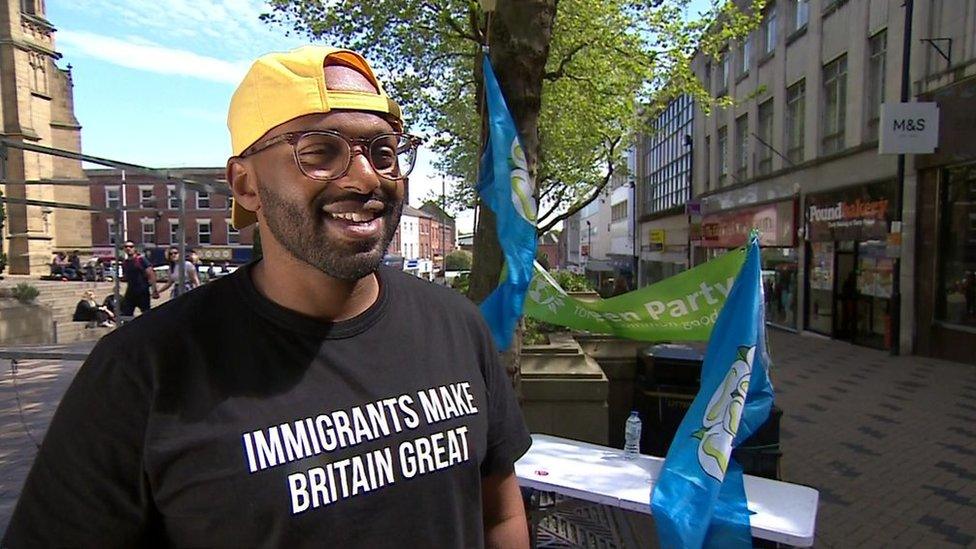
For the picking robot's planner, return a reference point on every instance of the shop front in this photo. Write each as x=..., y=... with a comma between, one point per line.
x=600, y=273
x=776, y=222
x=663, y=248
x=946, y=258
x=851, y=257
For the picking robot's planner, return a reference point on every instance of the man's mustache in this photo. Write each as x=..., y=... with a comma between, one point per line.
x=379, y=202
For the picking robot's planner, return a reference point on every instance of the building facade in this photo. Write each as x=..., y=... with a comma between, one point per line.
x=414, y=236
x=945, y=260
x=38, y=108
x=604, y=233
x=594, y=240
x=622, y=227
x=443, y=235
x=569, y=244
x=548, y=251
x=663, y=175
x=798, y=157
x=152, y=215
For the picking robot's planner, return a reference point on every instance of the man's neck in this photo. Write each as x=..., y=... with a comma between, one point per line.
x=302, y=288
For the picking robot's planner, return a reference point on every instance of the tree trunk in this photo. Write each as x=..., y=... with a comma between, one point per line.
x=519, y=48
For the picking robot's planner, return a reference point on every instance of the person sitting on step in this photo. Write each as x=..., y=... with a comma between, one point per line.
x=88, y=310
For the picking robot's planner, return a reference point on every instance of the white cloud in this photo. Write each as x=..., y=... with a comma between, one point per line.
x=227, y=29
x=138, y=53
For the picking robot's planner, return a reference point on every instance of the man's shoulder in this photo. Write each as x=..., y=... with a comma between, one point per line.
x=442, y=299
x=180, y=318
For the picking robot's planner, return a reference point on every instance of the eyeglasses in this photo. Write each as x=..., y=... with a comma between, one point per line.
x=325, y=155
x=128, y=246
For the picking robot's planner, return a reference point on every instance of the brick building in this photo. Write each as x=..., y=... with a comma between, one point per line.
x=152, y=216
x=442, y=236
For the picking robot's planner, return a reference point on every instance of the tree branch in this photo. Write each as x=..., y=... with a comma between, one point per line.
x=546, y=189
x=580, y=205
x=576, y=207
x=558, y=73
x=457, y=95
x=432, y=63
x=545, y=216
x=448, y=18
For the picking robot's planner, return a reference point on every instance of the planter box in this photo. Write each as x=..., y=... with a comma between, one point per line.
x=618, y=360
x=25, y=323
x=564, y=391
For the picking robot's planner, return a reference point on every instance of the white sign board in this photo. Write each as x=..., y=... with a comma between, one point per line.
x=909, y=128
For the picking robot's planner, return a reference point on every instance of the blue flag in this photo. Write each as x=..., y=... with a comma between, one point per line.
x=505, y=187
x=699, y=499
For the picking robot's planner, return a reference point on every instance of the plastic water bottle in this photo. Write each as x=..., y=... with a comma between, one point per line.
x=632, y=436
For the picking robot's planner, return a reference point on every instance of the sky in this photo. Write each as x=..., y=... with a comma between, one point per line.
x=153, y=78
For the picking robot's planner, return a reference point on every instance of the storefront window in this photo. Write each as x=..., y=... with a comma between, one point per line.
x=821, y=287
x=779, y=277
x=851, y=263
x=958, y=258
x=875, y=279
x=779, y=285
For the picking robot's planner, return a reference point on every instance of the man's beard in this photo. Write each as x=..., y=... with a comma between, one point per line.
x=305, y=235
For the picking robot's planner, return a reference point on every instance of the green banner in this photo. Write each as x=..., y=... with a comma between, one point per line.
x=681, y=308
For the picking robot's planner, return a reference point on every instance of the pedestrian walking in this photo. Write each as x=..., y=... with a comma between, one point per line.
x=140, y=281
x=312, y=398
x=191, y=278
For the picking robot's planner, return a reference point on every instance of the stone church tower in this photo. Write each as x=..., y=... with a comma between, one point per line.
x=38, y=108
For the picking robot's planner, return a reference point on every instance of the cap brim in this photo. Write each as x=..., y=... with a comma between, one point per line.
x=241, y=217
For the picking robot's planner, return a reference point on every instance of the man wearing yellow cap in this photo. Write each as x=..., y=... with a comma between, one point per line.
x=337, y=402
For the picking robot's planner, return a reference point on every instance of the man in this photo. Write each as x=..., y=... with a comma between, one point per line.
x=140, y=281
x=58, y=265
x=334, y=403
x=191, y=278
x=74, y=261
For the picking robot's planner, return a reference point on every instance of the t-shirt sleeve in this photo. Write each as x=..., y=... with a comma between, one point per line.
x=508, y=436
x=87, y=486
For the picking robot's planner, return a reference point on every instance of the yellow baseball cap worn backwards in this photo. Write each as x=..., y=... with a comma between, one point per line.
x=282, y=86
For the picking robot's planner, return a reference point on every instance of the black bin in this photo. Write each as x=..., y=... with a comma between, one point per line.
x=670, y=364
x=662, y=407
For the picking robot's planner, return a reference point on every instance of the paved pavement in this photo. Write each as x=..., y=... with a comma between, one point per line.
x=890, y=442
x=27, y=402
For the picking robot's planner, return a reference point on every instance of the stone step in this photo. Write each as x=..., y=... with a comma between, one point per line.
x=70, y=332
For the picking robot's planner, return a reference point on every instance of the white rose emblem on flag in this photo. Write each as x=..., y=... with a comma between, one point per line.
x=522, y=188
x=722, y=415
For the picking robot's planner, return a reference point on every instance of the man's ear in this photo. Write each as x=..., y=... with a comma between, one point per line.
x=243, y=183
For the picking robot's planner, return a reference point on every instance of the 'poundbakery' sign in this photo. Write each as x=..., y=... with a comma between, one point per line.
x=847, y=211
x=859, y=213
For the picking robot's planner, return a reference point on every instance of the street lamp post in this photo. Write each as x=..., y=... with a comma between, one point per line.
x=895, y=301
x=633, y=232
x=443, y=219
x=589, y=245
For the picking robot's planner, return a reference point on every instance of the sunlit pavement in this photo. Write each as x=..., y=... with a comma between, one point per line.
x=890, y=442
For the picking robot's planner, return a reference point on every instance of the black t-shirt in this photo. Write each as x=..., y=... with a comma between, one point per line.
x=134, y=271
x=224, y=420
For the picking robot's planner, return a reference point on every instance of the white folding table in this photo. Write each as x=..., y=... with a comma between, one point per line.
x=783, y=512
